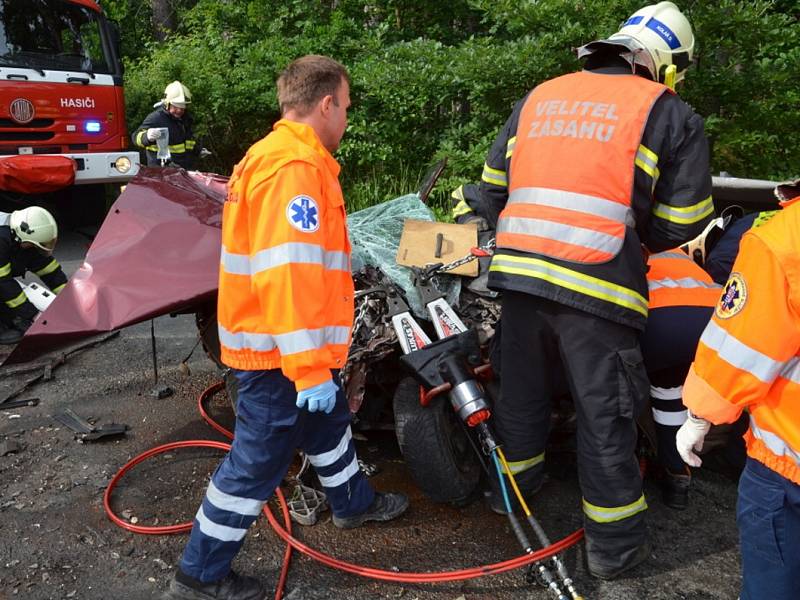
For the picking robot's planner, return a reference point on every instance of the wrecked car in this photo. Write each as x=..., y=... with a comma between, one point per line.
x=165, y=227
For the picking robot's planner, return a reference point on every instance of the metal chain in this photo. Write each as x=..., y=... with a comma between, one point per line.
x=467, y=258
x=359, y=319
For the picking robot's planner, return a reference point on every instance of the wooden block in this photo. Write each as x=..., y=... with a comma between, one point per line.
x=420, y=241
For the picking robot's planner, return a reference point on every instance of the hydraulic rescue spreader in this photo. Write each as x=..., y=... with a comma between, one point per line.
x=450, y=364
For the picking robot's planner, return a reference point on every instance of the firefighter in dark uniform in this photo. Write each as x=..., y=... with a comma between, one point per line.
x=171, y=115
x=27, y=239
x=592, y=171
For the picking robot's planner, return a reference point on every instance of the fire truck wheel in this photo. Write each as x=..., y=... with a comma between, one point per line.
x=435, y=447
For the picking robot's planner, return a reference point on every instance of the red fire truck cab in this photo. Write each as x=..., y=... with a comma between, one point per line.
x=62, y=111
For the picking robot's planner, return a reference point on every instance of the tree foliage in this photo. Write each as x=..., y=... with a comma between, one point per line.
x=439, y=78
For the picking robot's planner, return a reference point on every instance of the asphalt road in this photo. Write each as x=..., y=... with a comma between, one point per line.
x=56, y=541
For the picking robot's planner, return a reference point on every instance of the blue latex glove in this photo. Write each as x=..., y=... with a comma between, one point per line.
x=321, y=397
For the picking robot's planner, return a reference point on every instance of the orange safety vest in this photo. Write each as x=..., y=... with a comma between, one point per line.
x=571, y=174
x=285, y=287
x=749, y=354
x=674, y=279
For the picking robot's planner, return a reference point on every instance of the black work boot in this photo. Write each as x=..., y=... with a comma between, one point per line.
x=10, y=335
x=675, y=488
x=608, y=573
x=384, y=507
x=231, y=587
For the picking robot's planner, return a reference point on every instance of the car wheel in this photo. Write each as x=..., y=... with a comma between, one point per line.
x=435, y=446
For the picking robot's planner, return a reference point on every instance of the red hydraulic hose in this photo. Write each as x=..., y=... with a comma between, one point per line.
x=285, y=533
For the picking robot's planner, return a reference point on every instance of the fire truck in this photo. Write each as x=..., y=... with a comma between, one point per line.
x=62, y=111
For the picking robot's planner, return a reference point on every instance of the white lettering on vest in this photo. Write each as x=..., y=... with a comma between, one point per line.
x=87, y=102
x=574, y=128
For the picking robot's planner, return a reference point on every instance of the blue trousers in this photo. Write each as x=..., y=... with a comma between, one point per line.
x=269, y=427
x=768, y=514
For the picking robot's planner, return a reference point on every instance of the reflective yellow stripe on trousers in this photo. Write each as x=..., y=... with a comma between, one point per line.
x=602, y=514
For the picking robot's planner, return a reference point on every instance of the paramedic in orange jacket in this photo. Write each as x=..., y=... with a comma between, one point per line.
x=749, y=360
x=285, y=313
x=589, y=167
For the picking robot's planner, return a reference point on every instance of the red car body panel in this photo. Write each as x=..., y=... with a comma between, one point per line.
x=156, y=253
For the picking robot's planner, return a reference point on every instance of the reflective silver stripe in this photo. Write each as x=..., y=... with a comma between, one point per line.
x=559, y=232
x=740, y=355
x=792, y=371
x=512, y=142
x=776, y=445
x=684, y=216
x=217, y=531
x=591, y=205
x=646, y=160
x=234, y=504
x=673, y=393
x=341, y=477
x=331, y=456
x=293, y=342
x=673, y=419
x=572, y=280
x=683, y=283
x=671, y=254
x=284, y=254
x=494, y=176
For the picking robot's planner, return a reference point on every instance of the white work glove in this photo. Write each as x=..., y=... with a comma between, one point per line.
x=690, y=437
x=155, y=133
x=321, y=397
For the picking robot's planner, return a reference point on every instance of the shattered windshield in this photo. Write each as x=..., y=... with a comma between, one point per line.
x=51, y=34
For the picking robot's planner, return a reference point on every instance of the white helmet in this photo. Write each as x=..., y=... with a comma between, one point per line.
x=657, y=37
x=177, y=95
x=35, y=225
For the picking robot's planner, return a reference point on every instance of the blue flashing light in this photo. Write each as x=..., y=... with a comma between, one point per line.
x=92, y=126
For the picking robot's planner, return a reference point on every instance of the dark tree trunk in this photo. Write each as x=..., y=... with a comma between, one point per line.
x=163, y=19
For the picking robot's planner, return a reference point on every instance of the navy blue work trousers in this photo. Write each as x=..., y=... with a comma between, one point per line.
x=269, y=427
x=768, y=514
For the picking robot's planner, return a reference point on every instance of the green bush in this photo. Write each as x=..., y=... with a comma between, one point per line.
x=440, y=79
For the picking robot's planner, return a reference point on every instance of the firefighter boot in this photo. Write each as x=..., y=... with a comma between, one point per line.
x=606, y=574
x=384, y=507
x=10, y=335
x=675, y=488
x=231, y=587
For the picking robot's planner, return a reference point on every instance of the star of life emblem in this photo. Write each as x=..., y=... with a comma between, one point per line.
x=733, y=297
x=303, y=214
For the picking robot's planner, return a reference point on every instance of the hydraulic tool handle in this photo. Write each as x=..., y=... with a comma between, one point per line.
x=410, y=335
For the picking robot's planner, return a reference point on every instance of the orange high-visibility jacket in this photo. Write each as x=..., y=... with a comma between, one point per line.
x=285, y=288
x=573, y=164
x=749, y=355
x=674, y=279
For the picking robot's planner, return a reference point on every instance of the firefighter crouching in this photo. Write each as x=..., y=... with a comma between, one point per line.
x=27, y=239
x=682, y=299
x=590, y=167
x=748, y=359
x=285, y=313
x=172, y=115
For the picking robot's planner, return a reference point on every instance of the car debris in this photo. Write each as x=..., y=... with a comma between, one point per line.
x=19, y=403
x=9, y=447
x=85, y=431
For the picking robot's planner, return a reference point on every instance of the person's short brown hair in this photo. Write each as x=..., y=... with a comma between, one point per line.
x=307, y=80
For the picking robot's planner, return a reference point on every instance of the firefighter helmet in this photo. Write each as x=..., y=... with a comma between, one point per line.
x=35, y=225
x=177, y=95
x=658, y=38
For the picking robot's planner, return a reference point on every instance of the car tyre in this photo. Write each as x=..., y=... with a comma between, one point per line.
x=435, y=446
